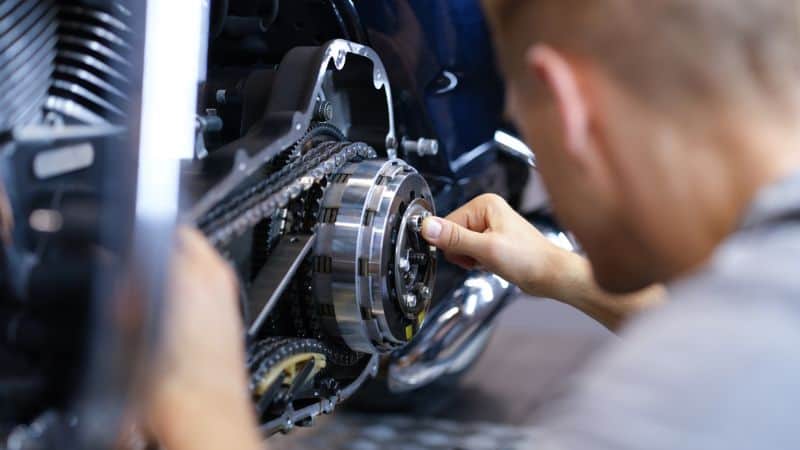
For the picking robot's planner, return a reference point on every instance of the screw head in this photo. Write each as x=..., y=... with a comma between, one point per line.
x=324, y=111
x=404, y=265
x=415, y=222
x=425, y=292
x=410, y=300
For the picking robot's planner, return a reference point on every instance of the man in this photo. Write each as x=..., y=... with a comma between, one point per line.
x=667, y=133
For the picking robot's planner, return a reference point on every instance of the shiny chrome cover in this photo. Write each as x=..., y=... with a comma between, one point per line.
x=373, y=273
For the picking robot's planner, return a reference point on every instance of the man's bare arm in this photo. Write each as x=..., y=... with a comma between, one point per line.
x=576, y=287
x=199, y=397
x=488, y=233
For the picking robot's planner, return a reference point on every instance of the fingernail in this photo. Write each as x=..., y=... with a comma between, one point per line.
x=431, y=228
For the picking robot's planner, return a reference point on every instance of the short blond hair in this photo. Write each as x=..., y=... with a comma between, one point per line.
x=711, y=49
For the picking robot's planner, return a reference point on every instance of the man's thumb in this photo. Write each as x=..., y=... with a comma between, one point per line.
x=451, y=237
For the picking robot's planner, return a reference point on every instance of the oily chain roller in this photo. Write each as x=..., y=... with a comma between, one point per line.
x=244, y=211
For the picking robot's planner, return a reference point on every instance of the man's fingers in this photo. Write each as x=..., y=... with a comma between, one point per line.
x=480, y=213
x=465, y=262
x=471, y=216
x=196, y=258
x=453, y=238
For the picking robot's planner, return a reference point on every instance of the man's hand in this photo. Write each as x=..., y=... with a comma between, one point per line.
x=199, y=394
x=489, y=234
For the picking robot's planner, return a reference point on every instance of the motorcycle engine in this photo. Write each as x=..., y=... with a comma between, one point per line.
x=297, y=179
x=66, y=170
x=300, y=186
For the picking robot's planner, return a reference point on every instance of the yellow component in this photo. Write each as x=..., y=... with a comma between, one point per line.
x=420, y=319
x=290, y=368
x=409, y=332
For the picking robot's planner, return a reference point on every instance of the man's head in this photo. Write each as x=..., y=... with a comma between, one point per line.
x=646, y=116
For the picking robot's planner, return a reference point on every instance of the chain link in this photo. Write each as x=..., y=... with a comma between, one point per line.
x=243, y=211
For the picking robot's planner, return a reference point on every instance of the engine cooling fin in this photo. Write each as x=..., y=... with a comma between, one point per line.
x=90, y=82
x=27, y=56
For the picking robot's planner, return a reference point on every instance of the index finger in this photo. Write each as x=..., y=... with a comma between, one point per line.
x=474, y=215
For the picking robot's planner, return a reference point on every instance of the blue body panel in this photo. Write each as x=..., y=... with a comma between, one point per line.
x=426, y=46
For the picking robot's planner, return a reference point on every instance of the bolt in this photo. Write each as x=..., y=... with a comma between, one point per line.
x=425, y=292
x=422, y=146
x=415, y=222
x=418, y=258
x=324, y=111
x=221, y=96
x=210, y=122
x=404, y=265
x=410, y=300
x=46, y=220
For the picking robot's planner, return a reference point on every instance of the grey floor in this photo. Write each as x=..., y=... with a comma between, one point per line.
x=537, y=346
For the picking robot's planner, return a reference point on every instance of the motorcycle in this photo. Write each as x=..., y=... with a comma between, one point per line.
x=308, y=140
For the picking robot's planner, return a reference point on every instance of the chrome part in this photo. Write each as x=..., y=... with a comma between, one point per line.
x=324, y=111
x=60, y=161
x=273, y=279
x=458, y=326
x=208, y=123
x=335, y=55
x=46, y=220
x=27, y=55
x=447, y=82
x=559, y=237
x=413, y=257
x=452, y=328
x=368, y=263
x=422, y=146
x=415, y=221
x=514, y=147
x=471, y=156
x=90, y=82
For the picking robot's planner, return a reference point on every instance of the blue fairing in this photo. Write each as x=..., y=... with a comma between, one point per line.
x=443, y=71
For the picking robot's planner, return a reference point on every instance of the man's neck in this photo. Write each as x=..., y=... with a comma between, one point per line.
x=726, y=177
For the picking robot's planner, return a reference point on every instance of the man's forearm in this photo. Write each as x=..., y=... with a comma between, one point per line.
x=193, y=423
x=576, y=287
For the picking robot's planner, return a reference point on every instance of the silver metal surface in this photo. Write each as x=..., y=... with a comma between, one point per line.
x=336, y=54
x=452, y=83
x=451, y=329
x=502, y=141
x=514, y=146
x=275, y=276
x=27, y=45
x=422, y=146
x=561, y=238
x=414, y=259
x=457, y=327
x=59, y=161
x=91, y=79
x=165, y=134
x=365, y=212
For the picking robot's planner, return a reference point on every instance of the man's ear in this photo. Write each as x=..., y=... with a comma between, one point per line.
x=559, y=75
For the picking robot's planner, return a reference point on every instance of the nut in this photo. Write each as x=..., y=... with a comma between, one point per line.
x=404, y=265
x=415, y=221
